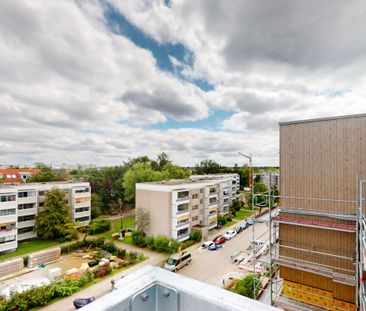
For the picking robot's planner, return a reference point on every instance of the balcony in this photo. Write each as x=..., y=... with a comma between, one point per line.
x=212, y=225
x=152, y=288
x=183, y=224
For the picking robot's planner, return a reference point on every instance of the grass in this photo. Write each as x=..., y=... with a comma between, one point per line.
x=243, y=214
x=127, y=222
x=230, y=223
x=27, y=247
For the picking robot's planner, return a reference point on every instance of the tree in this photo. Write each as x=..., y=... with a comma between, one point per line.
x=245, y=287
x=142, y=219
x=96, y=203
x=261, y=200
x=208, y=167
x=163, y=160
x=45, y=175
x=53, y=221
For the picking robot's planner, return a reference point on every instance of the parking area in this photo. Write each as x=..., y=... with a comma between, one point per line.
x=211, y=266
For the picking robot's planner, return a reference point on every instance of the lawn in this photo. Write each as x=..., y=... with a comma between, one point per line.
x=243, y=214
x=230, y=223
x=127, y=222
x=30, y=246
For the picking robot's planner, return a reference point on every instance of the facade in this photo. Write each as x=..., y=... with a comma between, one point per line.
x=20, y=204
x=275, y=179
x=17, y=175
x=178, y=206
x=320, y=164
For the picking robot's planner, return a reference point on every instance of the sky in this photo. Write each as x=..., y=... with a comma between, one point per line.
x=100, y=82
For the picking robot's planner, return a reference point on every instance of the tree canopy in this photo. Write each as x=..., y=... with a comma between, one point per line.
x=208, y=167
x=54, y=221
x=47, y=174
x=245, y=286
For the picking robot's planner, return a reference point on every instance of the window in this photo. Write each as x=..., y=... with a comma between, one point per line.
x=195, y=196
x=41, y=193
x=26, y=229
x=183, y=207
x=212, y=190
x=81, y=209
x=85, y=218
x=8, y=198
x=6, y=212
x=7, y=227
x=82, y=190
x=213, y=200
x=195, y=218
x=26, y=206
x=201, y=190
x=27, y=194
x=201, y=201
x=194, y=207
x=182, y=232
x=225, y=192
x=26, y=218
x=234, y=182
x=183, y=195
x=40, y=204
x=226, y=201
x=7, y=239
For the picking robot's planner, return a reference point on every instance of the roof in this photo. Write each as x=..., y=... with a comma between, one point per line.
x=362, y=115
x=13, y=175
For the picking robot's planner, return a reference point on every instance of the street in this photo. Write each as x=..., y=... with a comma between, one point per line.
x=211, y=266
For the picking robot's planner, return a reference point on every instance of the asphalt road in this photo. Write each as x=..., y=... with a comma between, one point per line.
x=211, y=266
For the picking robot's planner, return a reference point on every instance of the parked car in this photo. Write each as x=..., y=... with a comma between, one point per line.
x=82, y=302
x=251, y=221
x=214, y=247
x=220, y=239
x=238, y=229
x=207, y=244
x=230, y=234
x=244, y=225
x=178, y=261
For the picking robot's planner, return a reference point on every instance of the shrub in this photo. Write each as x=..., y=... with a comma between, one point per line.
x=139, y=239
x=110, y=247
x=186, y=244
x=99, y=242
x=196, y=236
x=245, y=286
x=237, y=204
x=172, y=246
x=99, y=226
x=228, y=218
x=221, y=219
x=233, y=212
x=150, y=242
x=25, y=260
x=161, y=243
x=102, y=273
x=121, y=253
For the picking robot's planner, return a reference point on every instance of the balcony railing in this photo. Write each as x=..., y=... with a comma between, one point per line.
x=182, y=224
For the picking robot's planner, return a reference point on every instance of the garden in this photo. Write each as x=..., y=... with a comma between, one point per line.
x=104, y=259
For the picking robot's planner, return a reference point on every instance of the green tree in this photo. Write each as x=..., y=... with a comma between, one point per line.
x=163, y=160
x=261, y=200
x=139, y=172
x=208, y=167
x=53, y=221
x=245, y=287
x=96, y=203
x=46, y=174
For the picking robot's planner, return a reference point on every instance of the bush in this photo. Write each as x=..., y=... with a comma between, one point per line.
x=161, y=243
x=99, y=226
x=245, y=286
x=196, y=236
x=99, y=242
x=121, y=253
x=236, y=205
x=233, y=212
x=25, y=261
x=172, y=247
x=139, y=239
x=187, y=244
x=228, y=219
x=221, y=219
x=150, y=242
x=110, y=247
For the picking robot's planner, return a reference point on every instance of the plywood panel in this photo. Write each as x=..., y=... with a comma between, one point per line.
x=319, y=163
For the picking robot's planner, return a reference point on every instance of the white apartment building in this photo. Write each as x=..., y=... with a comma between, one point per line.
x=20, y=204
x=178, y=206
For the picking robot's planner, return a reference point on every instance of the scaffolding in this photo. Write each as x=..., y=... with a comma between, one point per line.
x=340, y=265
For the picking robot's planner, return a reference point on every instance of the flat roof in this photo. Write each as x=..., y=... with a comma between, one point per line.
x=361, y=115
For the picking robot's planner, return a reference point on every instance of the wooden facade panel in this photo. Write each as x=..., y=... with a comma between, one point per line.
x=320, y=162
x=340, y=291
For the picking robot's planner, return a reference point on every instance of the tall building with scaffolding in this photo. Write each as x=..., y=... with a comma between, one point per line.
x=319, y=248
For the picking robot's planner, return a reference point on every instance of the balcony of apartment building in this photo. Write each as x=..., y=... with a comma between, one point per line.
x=81, y=211
x=26, y=221
x=8, y=228
x=212, y=202
x=181, y=195
x=183, y=234
x=26, y=232
x=82, y=220
x=182, y=222
x=8, y=200
x=212, y=221
x=8, y=243
x=212, y=191
x=80, y=202
x=27, y=196
x=8, y=215
x=27, y=209
x=182, y=209
x=81, y=192
x=212, y=211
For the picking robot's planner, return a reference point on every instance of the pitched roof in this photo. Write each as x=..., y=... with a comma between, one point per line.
x=14, y=175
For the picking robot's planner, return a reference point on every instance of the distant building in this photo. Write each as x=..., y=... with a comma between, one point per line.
x=16, y=175
x=20, y=204
x=273, y=176
x=177, y=207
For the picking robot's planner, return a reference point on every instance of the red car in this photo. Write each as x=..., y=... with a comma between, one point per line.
x=219, y=239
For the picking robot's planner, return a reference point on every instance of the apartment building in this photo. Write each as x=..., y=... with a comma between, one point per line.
x=321, y=161
x=270, y=178
x=20, y=204
x=176, y=207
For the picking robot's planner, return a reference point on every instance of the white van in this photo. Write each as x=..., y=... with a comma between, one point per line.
x=177, y=261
